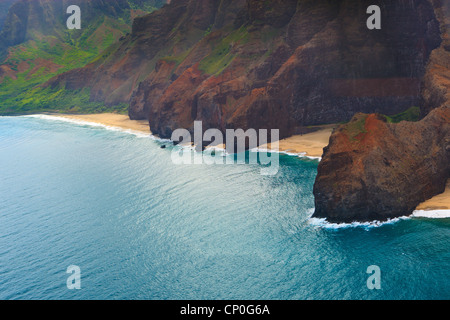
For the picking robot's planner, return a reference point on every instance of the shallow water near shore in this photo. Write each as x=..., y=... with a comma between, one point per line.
x=141, y=227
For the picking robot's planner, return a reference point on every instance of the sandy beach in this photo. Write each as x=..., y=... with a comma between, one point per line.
x=311, y=144
x=111, y=119
x=439, y=202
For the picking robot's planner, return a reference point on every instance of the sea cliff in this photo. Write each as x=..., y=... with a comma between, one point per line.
x=374, y=170
x=273, y=64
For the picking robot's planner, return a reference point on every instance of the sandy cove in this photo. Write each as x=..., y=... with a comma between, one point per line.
x=110, y=119
x=439, y=202
x=310, y=144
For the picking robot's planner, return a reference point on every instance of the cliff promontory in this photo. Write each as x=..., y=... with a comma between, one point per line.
x=375, y=170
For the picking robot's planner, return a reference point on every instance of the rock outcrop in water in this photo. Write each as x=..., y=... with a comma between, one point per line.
x=374, y=170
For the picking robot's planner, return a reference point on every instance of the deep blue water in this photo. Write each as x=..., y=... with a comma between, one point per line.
x=140, y=227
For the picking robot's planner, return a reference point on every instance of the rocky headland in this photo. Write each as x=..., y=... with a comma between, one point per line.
x=278, y=64
x=375, y=170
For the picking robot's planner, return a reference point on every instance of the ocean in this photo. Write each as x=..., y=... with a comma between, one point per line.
x=140, y=227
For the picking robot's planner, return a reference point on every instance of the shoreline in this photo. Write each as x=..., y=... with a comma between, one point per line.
x=117, y=120
x=438, y=203
x=308, y=145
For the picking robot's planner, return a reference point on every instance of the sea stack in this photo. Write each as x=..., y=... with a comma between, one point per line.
x=375, y=170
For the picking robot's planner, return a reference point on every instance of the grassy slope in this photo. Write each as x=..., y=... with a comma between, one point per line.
x=356, y=127
x=36, y=61
x=221, y=55
x=412, y=114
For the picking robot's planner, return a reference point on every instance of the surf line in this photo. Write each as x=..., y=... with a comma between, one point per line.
x=237, y=141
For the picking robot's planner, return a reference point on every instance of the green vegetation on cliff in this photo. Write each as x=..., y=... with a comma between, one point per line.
x=412, y=114
x=222, y=54
x=47, y=53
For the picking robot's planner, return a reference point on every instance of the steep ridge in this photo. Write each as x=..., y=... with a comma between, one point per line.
x=36, y=45
x=4, y=7
x=34, y=19
x=436, y=82
x=271, y=64
x=374, y=170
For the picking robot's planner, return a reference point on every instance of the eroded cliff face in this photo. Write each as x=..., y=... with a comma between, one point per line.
x=264, y=64
x=293, y=63
x=35, y=19
x=283, y=64
x=4, y=7
x=115, y=75
x=374, y=170
x=436, y=82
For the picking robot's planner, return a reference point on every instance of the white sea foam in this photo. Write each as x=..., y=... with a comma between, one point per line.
x=432, y=214
x=95, y=124
x=287, y=152
x=323, y=223
x=143, y=135
x=220, y=151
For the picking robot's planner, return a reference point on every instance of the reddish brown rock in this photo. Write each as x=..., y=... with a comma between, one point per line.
x=288, y=82
x=374, y=170
x=436, y=82
x=265, y=64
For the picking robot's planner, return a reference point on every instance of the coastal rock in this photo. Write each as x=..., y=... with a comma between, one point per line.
x=374, y=170
x=264, y=64
x=297, y=64
x=274, y=65
x=436, y=82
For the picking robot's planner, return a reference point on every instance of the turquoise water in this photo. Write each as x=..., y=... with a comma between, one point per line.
x=140, y=227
